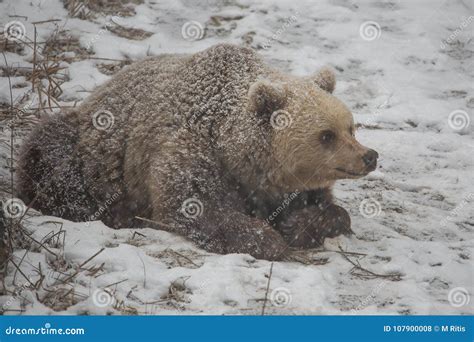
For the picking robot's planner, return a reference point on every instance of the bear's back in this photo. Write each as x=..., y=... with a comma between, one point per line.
x=173, y=89
x=166, y=99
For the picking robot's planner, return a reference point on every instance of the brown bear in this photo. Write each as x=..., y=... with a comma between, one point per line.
x=216, y=146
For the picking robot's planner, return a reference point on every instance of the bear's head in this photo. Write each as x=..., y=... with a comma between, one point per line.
x=313, y=134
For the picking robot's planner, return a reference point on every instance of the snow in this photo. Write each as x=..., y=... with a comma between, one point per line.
x=412, y=217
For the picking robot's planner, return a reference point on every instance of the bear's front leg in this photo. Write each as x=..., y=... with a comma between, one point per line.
x=308, y=224
x=203, y=206
x=221, y=229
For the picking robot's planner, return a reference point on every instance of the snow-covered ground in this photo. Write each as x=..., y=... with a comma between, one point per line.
x=406, y=71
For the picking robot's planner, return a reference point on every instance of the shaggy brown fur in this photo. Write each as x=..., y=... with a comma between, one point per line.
x=196, y=145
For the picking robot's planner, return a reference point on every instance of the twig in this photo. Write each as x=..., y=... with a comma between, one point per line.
x=268, y=288
x=116, y=283
x=33, y=73
x=53, y=107
x=303, y=259
x=81, y=265
x=40, y=244
x=45, y=21
x=9, y=230
x=107, y=59
x=182, y=256
x=367, y=273
x=92, y=257
x=21, y=261
x=137, y=233
x=94, y=270
x=155, y=222
x=21, y=272
x=18, y=16
x=346, y=252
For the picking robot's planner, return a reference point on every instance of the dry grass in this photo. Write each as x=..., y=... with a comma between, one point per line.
x=183, y=258
x=61, y=298
x=177, y=296
x=307, y=257
x=20, y=115
x=46, y=75
x=361, y=272
x=61, y=44
x=10, y=46
x=40, y=94
x=129, y=33
x=88, y=9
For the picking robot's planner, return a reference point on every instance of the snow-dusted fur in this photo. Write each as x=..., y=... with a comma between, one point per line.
x=187, y=142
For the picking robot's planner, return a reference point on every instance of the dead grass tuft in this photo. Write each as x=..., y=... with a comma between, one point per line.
x=60, y=298
x=182, y=258
x=10, y=46
x=65, y=47
x=88, y=9
x=129, y=32
x=37, y=95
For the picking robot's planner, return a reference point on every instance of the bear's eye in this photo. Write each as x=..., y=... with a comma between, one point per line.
x=327, y=137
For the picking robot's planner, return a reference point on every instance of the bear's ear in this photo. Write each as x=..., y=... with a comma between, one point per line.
x=325, y=79
x=265, y=98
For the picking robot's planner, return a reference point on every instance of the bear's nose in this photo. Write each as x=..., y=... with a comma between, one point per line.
x=370, y=159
